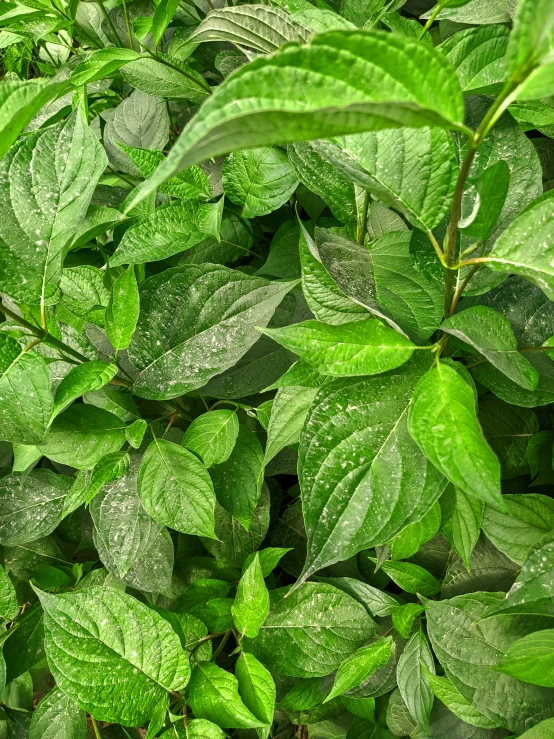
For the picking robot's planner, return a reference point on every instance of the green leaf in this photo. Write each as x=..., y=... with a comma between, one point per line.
x=174, y=80
x=383, y=280
x=118, y=658
x=31, y=508
x=84, y=378
x=355, y=669
x=355, y=453
x=298, y=91
x=101, y=65
x=358, y=348
x=411, y=577
x=269, y=559
x=257, y=26
x=532, y=35
x=491, y=334
x=9, y=606
x=461, y=518
x=403, y=618
x=251, y=604
x=385, y=164
x=376, y=602
x=190, y=184
x=493, y=191
x=304, y=695
x=214, y=695
x=288, y=643
x=508, y=429
x=540, y=731
x=59, y=165
x=57, y=717
x=123, y=310
x=82, y=435
x=261, y=180
x=176, y=490
x=524, y=248
x=412, y=537
x=212, y=436
x=167, y=231
x=413, y=664
x=256, y=687
x=469, y=648
x=197, y=338
x=442, y=420
x=532, y=591
x=238, y=481
x=448, y=694
x=25, y=647
x=134, y=433
x=477, y=55
x=163, y=16
x=20, y=101
x=527, y=519
x=531, y=659
x=25, y=393
x=288, y=414
x=199, y=728
x=109, y=468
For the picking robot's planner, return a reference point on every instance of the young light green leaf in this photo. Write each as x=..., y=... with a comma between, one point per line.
x=412, y=537
x=269, y=559
x=167, y=231
x=109, y=468
x=57, y=717
x=524, y=248
x=81, y=436
x=9, y=606
x=176, y=490
x=493, y=190
x=355, y=450
x=355, y=669
x=251, y=604
x=460, y=706
x=197, y=338
x=532, y=591
x=102, y=64
x=198, y=728
x=77, y=493
x=260, y=180
x=31, y=508
x=358, y=348
x=293, y=99
x=442, y=420
x=25, y=393
x=288, y=414
x=120, y=680
x=212, y=436
x=403, y=618
x=461, y=518
x=411, y=577
x=260, y=27
x=60, y=166
x=123, y=310
x=540, y=731
x=287, y=642
x=84, y=378
x=163, y=16
x=256, y=687
x=413, y=664
x=376, y=602
x=492, y=335
x=214, y=695
x=531, y=659
x=477, y=55
x=134, y=433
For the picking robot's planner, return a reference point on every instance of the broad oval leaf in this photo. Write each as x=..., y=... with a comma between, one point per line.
x=531, y=659
x=355, y=451
x=212, y=436
x=57, y=717
x=111, y=654
x=366, y=72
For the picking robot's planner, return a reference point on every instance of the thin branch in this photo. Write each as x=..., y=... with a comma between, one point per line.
x=430, y=22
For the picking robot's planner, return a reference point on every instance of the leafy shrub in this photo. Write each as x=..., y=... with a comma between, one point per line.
x=277, y=370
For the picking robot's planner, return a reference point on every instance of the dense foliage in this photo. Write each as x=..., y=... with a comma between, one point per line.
x=277, y=369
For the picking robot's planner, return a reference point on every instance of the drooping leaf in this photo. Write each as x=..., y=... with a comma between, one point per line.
x=461, y=518
x=351, y=349
x=197, y=338
x=213, y=436
x=25, y=393
x=31, y=508
x=214, y=695
x=460, y=706
x=84, y=378
x=46, y=183
x=413, y=664
x=280, y=83
x=256, y=687
x=115, y=646
x=442, y=420
x=176, y=490
x=123, y=310
x=353, y=447
x=251, y=604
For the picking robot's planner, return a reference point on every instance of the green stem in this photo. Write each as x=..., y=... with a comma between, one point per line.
x=97, y=733
x=361, y=228
x=430, y=22
x=109, y=23
x=222, y=643
x=128, y=24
